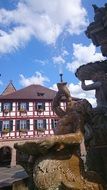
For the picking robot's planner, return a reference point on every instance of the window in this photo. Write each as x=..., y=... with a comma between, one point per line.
x=6, y=125
x=22, y=125
x=54, y=123
x=7, y=106
x=40, y=93
x=40, y=106
x=23, y=106
x=40, y=124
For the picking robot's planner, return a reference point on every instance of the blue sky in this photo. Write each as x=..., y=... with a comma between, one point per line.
x=40, y=38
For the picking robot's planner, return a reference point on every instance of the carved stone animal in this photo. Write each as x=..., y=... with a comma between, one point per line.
x=57, y=164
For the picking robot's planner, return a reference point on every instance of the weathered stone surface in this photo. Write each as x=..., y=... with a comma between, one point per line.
x=86, y=72
x=75, y=116
x=96, y=137
x=60, y=167
x=97, y=30
x=58, y=172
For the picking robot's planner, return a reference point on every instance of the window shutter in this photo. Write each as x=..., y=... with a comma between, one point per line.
x=2, y=106
x=52, y=123
x=44, y=105
x=1, y=125
x=35, y=106
x=28, y=124
x=18, y=106
x=44, y=123
x=17, y=125
x=10, y=106
x=11, y=125
x=27, y=106
x=35, y=124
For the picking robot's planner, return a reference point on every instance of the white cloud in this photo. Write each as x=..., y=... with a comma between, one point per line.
x=15, y=39
x=43, y=19
x=54, y=87
x=1, y=83
x=69, y=13
x=42, y=62
x=58, y=60
x=83, y=55
x=76, y=91
x=38, y=78
x=64, y=53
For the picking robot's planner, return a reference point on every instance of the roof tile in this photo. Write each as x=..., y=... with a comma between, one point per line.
x=31, y=92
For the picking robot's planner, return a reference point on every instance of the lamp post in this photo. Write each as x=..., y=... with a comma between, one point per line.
x=61, y=80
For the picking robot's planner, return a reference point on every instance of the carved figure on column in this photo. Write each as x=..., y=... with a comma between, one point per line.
x=97, y=145
x=97, y=30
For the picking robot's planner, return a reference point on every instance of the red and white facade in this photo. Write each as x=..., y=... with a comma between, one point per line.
x=27, y=113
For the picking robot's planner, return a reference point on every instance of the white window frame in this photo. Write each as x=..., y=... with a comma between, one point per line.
x=23, y=105
x=6, y=106
x=6, y=124
x=40, y=124
x=23, y=124
x=40, y=105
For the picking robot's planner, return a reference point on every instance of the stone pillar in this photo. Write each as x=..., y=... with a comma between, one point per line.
x=13, y=157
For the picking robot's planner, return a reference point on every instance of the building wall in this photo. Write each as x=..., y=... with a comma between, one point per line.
x=31, y=114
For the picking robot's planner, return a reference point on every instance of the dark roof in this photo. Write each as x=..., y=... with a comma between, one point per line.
x=9, y=89
x=30, y=92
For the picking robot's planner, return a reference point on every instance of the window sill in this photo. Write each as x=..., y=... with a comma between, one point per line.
x=5, y=131
x=40, y=110
x=41, y=130
x=23, y=111
x=23, y=130
x=6, y=111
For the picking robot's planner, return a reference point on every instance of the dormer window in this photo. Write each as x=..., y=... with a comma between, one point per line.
x=40, y=93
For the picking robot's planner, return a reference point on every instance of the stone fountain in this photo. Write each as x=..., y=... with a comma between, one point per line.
x=54, y=163
x=96, y=143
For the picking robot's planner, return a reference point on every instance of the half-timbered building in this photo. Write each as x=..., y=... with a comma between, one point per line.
x=27, y=113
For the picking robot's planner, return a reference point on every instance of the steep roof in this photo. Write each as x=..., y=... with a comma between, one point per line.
x=30, y=92
x=9, y=89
